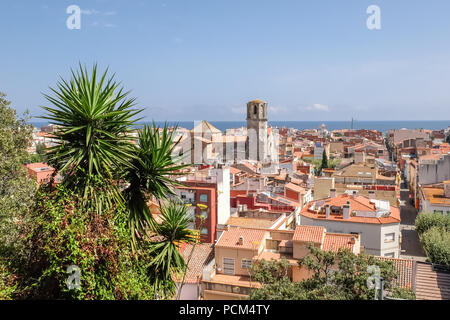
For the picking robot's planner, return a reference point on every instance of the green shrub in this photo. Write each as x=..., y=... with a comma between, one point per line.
x=7, y=282
x=436, y=243
x=426, y=221
x=65, y=234
x=401, y=293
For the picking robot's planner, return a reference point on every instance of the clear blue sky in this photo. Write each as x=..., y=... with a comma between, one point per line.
x=204, y=59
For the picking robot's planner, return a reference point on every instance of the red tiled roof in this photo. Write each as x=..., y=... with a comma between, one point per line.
x=252, y=238
x=334, y=241
x=202, y=254
x=431, y=284
x=404, y=269
x=295, y=188
x=309, y=234
x=234, y=170
x=38, y=165
x=358, y=203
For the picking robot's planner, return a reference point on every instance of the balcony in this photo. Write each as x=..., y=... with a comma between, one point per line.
x=222, y=286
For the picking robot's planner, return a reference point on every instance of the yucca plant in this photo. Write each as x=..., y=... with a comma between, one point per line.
x=96, y=150
x=150, y=174
x=94, y=118
x=171, y=233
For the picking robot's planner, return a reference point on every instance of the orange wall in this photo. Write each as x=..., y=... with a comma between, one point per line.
x=237, y=255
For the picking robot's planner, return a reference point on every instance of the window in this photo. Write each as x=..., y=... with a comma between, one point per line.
x=255, y=109
x=389, y=255
x=183, y=196
x=204, y=198
x=246, y=263
x=228, y=266
x=204, y=231
x=438, y=212
x=204, y=214
x=389, y=237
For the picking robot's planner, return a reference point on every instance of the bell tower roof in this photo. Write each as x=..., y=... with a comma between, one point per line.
x=257, y=101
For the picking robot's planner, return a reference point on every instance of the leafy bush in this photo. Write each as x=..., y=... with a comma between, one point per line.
x=65, y=234
x=16, y=195
x=436, y=243
x=7, y=282
x=401, y=293
x=335, y=276
x=426, y=221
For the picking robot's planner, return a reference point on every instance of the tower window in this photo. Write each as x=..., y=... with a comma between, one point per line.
x=255, y=109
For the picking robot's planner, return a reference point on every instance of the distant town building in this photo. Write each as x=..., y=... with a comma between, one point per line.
x=41, y=172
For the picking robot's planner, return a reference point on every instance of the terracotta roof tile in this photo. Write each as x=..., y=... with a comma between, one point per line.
x=404, y=269
x=252, y=238
x=201, y=256
x=309, y=234
x=333, y=242
x=358, y=203
x=245, y=222
x=431, y=284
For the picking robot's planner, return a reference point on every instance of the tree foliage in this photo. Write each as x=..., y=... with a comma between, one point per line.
x=98, y=218
x=41, y=151
x=324, y=164
x=434, y=233
x=436, y=243
x=426, y=221
x=149, y=174
x=334, y=276
x=66, y=234
x=95, y=119
x=16, y=194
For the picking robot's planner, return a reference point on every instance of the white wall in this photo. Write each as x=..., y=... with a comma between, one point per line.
x=372, y=235
x=223, y=194
x=434, y=171
x=428, y=207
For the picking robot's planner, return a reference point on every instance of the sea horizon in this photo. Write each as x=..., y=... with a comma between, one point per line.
x=382, y=126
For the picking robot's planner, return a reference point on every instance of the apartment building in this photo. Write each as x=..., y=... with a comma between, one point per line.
x=236, y=249
x=376, y=221
x=209, y=200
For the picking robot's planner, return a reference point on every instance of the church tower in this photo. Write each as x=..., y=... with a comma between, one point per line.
x=257, y=148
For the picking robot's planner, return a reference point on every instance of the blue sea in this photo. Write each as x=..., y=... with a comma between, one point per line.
x=382, y=126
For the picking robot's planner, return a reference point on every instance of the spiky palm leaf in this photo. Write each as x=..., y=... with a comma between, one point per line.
x=173, y=232
x=150, y=174
x=95, y=118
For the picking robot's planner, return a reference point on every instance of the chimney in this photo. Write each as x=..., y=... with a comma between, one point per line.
x=447, y=189
x=346, y=211
x=371, y=194
x=332, y=193
x=353, y=240
x=327, y=211
x=355, y=193
x=241, y=240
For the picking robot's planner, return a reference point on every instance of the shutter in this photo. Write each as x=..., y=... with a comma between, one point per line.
x=228, y=266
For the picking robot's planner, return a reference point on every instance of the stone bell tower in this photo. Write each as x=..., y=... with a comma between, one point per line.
x=257, y=130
